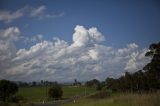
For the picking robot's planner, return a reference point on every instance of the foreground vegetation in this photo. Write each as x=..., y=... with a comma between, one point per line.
x=125, y=99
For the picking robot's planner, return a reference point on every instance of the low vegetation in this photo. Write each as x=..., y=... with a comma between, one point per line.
x=55, y=92
x=125, y=99
x=7, y=90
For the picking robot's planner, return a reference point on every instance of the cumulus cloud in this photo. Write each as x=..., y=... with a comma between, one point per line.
x=136, y=60
x=12, y=33
x=8, y=37
x=29, y=11
x=83, y=37
x=85, y=58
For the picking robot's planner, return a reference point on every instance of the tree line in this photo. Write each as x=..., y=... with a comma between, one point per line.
x=35, y=83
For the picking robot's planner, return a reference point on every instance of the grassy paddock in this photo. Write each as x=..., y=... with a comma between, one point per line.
x=151, y=99
x=70, y=91
x=37, y=94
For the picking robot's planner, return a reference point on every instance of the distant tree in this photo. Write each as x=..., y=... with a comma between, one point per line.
x=34, y=83
x=7, y=89
x=55, y=91
x=46, y=82
x=92, y=83
x=42, y=82
x=76, y=83
x=22, y=84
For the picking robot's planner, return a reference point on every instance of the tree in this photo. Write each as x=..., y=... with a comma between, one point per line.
x=76, y=83
x=92, y=83
x=7, y=89
x=98, y=87
x=55, y=91
x=152, y=69
x=34, y=83
x=42, y=83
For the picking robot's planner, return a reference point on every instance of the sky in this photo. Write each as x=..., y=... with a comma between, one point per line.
x=63, y=40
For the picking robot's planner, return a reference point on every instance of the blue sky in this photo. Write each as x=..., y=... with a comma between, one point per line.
x=120, y=21
x=95, y=34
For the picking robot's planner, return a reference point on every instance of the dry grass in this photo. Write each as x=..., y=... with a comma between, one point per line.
x=125, y=99
x=145, y=99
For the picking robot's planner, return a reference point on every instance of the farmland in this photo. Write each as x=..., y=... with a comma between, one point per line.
x=36, y=94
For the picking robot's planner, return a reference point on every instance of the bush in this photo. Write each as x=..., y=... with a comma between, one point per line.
x=7, y=89
x=55, y=92
x=98, y=87
x=17, y=99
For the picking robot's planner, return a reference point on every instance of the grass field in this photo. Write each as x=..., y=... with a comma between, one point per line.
x=35, y=94
x=40, y=93
x=121, y=100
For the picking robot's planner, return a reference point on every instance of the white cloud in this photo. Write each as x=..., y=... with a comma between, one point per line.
x=8, y=16
x=132, y=63
x=81, y=36
x=11, y=33
x=37, y=11
x=85, y=58
x=34, y=39
x=54, y=15
x=136, y=60
x=95, y=35
x=29, y=11
x=7, y=48
x=93, y=54
x=84, y=37
x=132, y=46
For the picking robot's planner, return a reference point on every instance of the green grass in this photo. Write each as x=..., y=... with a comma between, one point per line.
x=33, y=93
x=40, y=93
x=121, y=100
x=69, y=91
x=36, y=94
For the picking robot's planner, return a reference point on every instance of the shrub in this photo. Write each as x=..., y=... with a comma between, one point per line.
x=7, y=89
x=55, y=92
x=17, y=99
